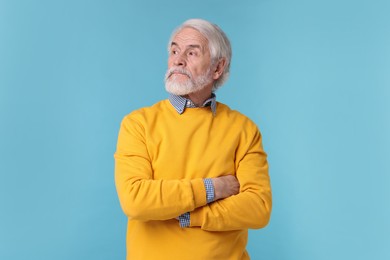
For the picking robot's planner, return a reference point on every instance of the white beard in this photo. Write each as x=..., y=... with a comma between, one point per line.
x=188, y=86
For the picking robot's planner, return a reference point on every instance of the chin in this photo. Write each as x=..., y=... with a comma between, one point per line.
x=181, y=90
x=177, y=92
x=178, y=88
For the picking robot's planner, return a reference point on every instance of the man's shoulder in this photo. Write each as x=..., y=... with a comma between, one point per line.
x=158, y=107
x=145, y=115
x=227, y=111
x=234, y=115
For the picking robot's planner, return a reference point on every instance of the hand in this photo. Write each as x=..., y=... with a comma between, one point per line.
x=225, y=186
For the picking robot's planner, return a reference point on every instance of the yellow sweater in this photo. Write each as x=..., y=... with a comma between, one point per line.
x=160, y=162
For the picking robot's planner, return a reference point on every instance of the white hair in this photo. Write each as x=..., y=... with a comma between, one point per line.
x=218, y=42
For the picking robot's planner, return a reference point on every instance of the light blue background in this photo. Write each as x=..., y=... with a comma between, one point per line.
x=314, y=75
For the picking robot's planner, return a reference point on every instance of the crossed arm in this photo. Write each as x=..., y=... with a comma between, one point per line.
x=241, y=201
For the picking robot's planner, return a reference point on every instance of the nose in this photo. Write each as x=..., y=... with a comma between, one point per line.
x=179, y=60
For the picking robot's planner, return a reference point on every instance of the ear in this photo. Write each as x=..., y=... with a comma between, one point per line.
x=220, y=67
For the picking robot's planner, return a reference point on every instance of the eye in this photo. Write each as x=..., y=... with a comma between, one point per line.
x=173, y=51
x=192, y=53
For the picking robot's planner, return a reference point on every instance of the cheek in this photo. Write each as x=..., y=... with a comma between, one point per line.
x=195, y=68
x=202, y=70
x=169, y=63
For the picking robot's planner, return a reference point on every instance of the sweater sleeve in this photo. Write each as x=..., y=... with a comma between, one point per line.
x=142, y=197
x=251, y=208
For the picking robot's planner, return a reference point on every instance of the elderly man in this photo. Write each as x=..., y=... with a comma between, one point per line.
x=191, y=173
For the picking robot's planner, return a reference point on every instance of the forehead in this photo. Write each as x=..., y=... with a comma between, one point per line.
x=189, y=36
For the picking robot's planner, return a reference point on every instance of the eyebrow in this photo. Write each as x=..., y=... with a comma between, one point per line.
x=191, y=46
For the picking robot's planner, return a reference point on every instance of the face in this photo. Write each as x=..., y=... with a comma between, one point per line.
x=189, y=63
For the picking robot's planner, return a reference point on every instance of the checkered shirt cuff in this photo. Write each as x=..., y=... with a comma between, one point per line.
x=208, y=184
x=184, y=220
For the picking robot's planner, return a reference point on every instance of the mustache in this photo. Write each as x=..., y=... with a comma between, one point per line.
x=177, y=70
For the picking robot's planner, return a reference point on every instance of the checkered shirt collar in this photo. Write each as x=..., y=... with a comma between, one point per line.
x=181, y=103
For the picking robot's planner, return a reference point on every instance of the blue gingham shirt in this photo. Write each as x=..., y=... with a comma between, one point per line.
x=180, y=104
